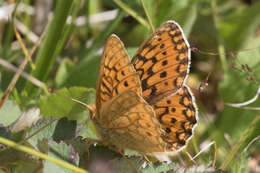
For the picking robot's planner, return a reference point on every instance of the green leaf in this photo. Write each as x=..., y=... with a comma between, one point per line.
x=63, y=71
x=122, y=165
x=65, y=129
x=86, y=130
x=44, y=129
x=60, y=151
x=85, y=74
x=197, y=168
x=59, y=104
x=9, y=113
x=62, y=130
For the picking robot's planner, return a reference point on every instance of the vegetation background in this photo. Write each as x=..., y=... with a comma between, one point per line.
x=225, y=39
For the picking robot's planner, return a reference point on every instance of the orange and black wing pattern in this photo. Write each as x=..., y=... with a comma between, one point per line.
x=162, y=62
x=116, y=73
x=177, y=115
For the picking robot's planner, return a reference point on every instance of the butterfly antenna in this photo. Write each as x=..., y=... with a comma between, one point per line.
x=91, y=108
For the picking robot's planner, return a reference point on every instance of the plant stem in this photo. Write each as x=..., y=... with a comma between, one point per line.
x=221, y=48
x=47, y=54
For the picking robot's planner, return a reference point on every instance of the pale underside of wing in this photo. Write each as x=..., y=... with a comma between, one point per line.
x=177, y=115
x=116, y=73
x=162, y=62
x=131, y=124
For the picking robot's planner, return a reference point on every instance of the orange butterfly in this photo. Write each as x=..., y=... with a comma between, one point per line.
x=144, y=105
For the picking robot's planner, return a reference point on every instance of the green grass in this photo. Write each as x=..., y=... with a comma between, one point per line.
x=67, y=61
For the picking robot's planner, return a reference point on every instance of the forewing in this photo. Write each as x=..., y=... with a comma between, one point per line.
x=162, y=62
x=116, y=73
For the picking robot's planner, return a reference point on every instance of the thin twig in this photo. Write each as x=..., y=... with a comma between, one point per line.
x=27, y=59
x=203, y=150
x=24, y=29
x=190, y=157
x=25, y=75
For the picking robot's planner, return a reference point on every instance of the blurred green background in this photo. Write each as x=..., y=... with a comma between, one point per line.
x=223, y=34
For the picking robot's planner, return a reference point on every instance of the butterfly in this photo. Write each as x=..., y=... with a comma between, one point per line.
x=144, y=104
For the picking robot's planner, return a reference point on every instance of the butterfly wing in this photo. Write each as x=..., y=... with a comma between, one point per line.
x=131, y=124
x=162, y=62
x=177, y=115
x=116, y=73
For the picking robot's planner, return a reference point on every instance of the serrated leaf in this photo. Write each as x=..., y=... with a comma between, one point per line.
x=60, y=151
x=122, y=165
x=59, y=104
x=62, y=130
x=197, y=169
x=53, y=130
x=44, y=128
x=161, y=167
